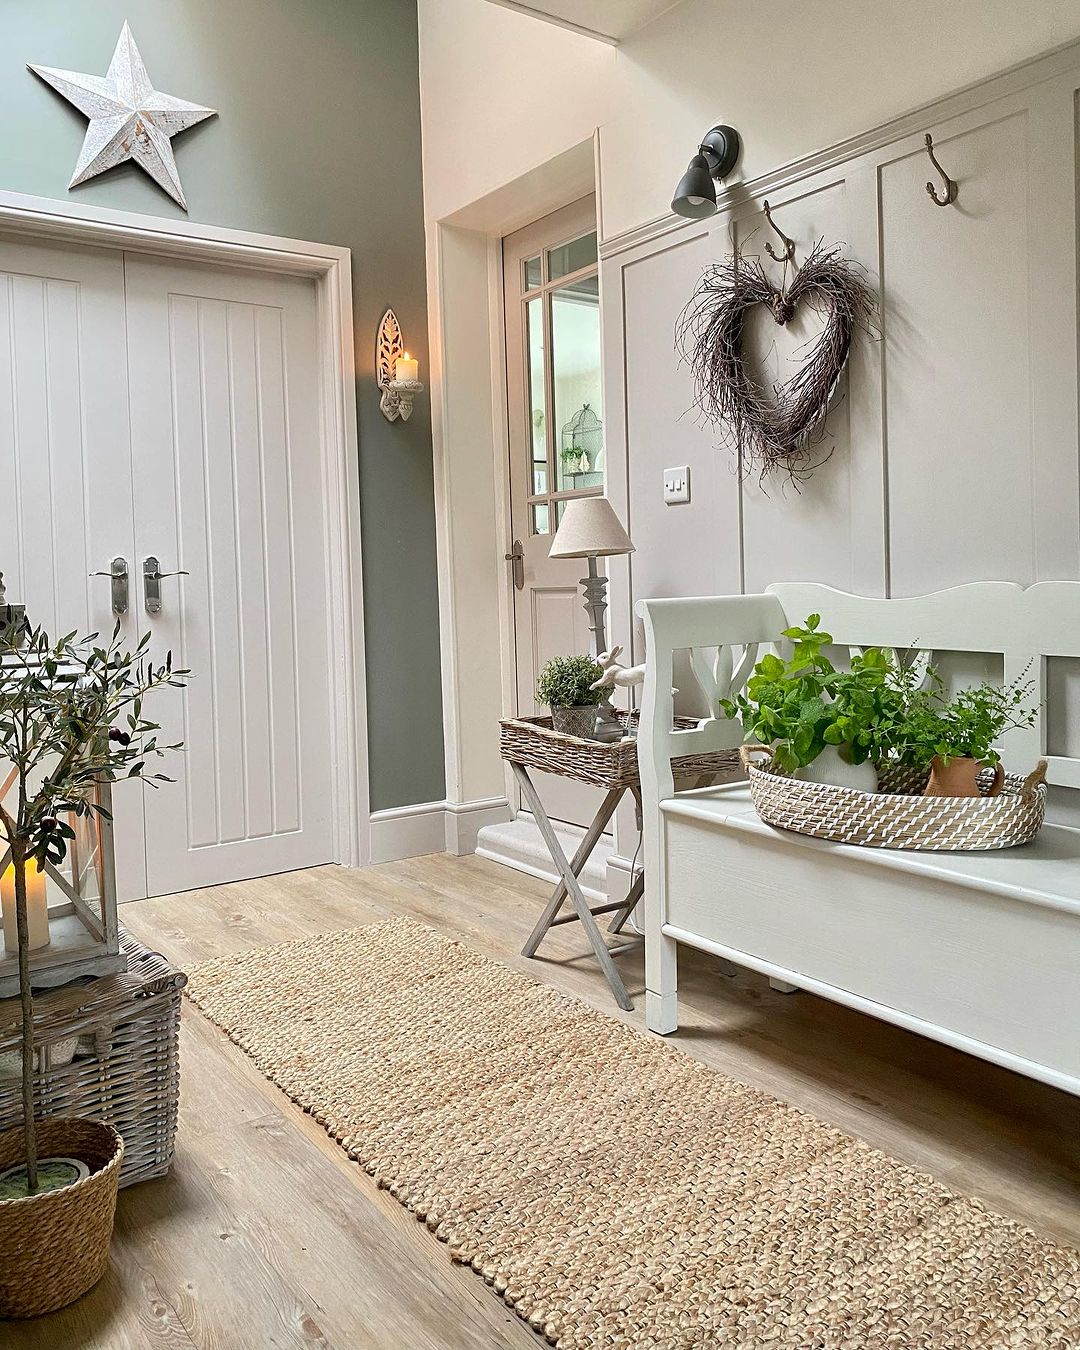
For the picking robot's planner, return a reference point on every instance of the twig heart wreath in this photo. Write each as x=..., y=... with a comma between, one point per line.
x=777, y=432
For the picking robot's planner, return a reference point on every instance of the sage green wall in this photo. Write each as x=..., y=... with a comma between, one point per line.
x=318, y=138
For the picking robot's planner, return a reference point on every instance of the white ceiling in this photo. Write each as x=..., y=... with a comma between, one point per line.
x=609, y=20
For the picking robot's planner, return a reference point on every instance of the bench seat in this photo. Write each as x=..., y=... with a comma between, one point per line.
x=1045, y=872
x=979, y=950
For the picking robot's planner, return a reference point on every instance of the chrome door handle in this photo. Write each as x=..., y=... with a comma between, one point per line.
x=517, y=557
x=118, y=574
x=152, y=576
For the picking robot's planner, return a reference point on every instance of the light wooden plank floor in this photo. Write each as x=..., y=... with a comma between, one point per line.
x=266, y=1236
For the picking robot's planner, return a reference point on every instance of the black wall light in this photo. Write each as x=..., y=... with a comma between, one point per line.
x=695, y=197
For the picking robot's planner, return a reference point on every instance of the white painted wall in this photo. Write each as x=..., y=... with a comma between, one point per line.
x=508, y=105
x=502, y=93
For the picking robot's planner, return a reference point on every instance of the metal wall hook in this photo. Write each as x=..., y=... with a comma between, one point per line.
x=951, y=189
x=788, y=254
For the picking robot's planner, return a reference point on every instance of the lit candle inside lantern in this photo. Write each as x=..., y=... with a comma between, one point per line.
x=407, y=368
x=37, y=908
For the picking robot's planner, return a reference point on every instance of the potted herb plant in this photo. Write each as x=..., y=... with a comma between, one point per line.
x=70, y=716
x=565, y=685
x=824, y=724
x=954, y=737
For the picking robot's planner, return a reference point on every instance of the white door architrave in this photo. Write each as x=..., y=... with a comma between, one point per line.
x=329, y=266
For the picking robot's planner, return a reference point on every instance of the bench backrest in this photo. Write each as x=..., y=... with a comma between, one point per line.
x=725, y=635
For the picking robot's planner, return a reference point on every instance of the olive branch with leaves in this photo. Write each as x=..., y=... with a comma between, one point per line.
x=71, y=718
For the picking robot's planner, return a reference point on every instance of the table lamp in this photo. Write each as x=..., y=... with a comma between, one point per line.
x=591, y=529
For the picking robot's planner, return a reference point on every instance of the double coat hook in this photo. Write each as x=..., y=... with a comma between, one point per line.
x=951, y=190
x=788, y=254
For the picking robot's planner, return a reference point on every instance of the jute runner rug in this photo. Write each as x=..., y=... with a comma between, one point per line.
x=616, y=1192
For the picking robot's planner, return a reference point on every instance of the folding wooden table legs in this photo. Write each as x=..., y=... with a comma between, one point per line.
x=568, y=886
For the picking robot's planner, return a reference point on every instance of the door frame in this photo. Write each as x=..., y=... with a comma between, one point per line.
x=330, y=267
x=536, y=239
x=470, y=438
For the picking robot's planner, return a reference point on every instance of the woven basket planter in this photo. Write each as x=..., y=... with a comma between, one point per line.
x=54, y=1247
x=534, y=742
x=897, y=816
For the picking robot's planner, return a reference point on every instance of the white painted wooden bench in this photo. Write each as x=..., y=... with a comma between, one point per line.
x=979, y=950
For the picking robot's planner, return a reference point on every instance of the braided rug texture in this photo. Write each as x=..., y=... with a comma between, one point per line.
x=616, y=1192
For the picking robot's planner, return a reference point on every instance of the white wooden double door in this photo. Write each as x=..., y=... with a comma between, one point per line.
x=154, y=409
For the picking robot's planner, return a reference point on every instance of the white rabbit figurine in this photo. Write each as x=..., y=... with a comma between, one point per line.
x=623, y=677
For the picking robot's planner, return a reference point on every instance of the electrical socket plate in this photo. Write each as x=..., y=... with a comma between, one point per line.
x=677, y=485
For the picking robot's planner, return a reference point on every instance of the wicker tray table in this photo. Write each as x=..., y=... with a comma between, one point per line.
x=126, y=1068
x=532, y=743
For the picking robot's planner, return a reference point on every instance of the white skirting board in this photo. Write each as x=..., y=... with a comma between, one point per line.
x=432, y=827
x=465, y=821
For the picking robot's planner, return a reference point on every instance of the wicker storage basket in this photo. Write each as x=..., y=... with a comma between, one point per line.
x=55, y=1246
x=126, y=1069
x=532, y=741
x=898, y=816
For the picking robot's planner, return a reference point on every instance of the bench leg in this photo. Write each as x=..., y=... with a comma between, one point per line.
x=782, y=986
x=661, y=982
x=661, y=1012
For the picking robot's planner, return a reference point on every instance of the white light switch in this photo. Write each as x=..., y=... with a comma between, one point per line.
x=677, y=485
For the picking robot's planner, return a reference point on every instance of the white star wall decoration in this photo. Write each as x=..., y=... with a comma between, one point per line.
x=129, y=118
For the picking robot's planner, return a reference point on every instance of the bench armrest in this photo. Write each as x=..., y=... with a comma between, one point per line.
x=714, y=625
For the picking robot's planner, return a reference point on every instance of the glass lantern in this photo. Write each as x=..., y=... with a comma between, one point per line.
x=71, y=906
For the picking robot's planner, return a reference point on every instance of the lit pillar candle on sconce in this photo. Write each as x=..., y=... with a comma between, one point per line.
x=406, y=369
x=37, y=908
x=398, y=373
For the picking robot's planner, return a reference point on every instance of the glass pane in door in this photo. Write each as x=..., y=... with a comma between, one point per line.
x=572, y=257
x=537, y=415
x=575, y=341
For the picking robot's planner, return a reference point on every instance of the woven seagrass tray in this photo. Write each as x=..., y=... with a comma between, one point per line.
x=898, y=816
x=533, y=742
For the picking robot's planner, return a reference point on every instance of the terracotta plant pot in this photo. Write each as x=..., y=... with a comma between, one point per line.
x=575, y=721
x=55, y=1246
x=960, y=778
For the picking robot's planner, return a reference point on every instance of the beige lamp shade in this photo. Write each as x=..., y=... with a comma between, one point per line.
x=589, y=529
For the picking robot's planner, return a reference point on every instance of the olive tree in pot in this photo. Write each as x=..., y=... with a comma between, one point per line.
x=71, y=716
x=565, y=685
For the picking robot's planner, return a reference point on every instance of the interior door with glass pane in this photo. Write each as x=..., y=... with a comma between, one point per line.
x=556, y=424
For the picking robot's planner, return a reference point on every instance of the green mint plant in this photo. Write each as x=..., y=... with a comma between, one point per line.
x=565, y=682
x=801, y=705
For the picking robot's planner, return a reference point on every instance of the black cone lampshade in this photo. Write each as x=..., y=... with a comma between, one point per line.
x=695, y=197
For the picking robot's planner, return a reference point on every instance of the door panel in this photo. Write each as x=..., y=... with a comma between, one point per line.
x=560, y=625
x=65, y=465
x=555, y=416
x=228, y=487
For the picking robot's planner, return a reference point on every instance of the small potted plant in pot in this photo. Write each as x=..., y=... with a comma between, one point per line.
x=823, y=724
x=70, y=717
x=955, y=737
x=565, y=685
